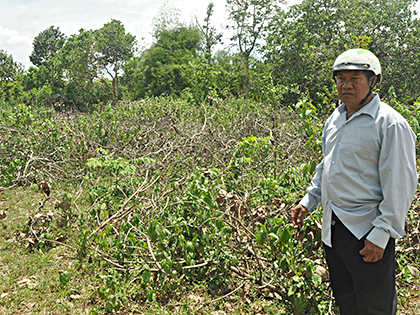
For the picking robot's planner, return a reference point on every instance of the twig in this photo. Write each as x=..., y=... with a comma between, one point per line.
x=330, y=306
x=204, y=124
x=149, y=245
x=199, y=265
x=7, y=188
x=109, y=260
x=123, y=212
x=221, y=212
x=269, y=282
x=270, y=286
x=56, y=242
x=223, y=297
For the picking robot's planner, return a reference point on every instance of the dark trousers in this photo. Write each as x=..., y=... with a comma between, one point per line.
x=360, y=288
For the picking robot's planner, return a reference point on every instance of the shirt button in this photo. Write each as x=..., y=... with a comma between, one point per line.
x=333, y=162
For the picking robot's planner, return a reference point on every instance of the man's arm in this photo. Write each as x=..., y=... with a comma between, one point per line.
x=311, y=200
x=398, y=179
x=298, y=215
x=371, y=252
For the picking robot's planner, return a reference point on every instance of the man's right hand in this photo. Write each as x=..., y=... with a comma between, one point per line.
x=298, y=214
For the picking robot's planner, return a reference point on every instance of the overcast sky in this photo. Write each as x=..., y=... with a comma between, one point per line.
x=22, y=20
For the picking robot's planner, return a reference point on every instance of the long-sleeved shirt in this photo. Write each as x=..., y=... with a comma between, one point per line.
x=368, y=173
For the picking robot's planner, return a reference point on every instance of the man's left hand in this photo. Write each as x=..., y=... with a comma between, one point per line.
x=371, y=252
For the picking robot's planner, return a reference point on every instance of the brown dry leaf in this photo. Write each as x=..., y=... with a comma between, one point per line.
x=45, y=187
x=65, y=205
x=413, y=270
x=30, y=305
x=322, y=272
x=3, y=214
x=221, y=199
x=3, y=295
x=260, y=213
x=28, y=283
x=195, y=299
x=231, y=202
x=75, y=297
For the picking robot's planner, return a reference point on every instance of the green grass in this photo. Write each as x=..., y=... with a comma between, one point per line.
x=29, y=278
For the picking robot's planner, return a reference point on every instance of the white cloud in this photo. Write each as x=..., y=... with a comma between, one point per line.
x=12, y=37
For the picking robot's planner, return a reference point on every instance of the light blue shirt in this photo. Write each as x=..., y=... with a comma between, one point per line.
x=368, y=173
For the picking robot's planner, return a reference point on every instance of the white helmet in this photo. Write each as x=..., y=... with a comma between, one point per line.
x=358, y=59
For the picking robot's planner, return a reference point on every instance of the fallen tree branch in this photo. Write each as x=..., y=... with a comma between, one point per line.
x=149, y=246
x=123, y=212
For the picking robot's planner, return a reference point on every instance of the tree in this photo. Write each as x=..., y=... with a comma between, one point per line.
x=46, y=45
x=167, y=18
x=81, y=73
x=9, y=72
x=249, y=18
x=304, y=42
x=163, y=68
x=211, y=37
x=113, y=48
x=8, y=67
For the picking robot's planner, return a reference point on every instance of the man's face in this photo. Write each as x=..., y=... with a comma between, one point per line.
x=352, y=86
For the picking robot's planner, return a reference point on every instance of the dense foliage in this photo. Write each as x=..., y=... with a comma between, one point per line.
x=303, y=42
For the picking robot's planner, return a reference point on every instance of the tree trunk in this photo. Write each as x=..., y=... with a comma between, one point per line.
x=115, y=84
x=246, y=56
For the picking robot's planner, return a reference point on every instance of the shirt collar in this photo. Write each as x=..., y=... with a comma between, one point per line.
x=370, y=108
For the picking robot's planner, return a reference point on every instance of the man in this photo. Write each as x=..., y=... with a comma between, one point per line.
x=366, y=182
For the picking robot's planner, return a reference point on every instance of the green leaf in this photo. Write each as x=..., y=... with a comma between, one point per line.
x=189, y=246
x=316, y=279
x=146, y=276
x=284, y=264
x=273, y=236
x=219, y=224
x=261, y=234
x=285, y=236
x=292, y=290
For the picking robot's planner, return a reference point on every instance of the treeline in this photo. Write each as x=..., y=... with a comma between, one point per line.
x=275, y=54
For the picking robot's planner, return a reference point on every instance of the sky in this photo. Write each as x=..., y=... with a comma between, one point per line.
x=22, y=20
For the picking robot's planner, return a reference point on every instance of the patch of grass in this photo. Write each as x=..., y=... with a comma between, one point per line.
x=30, y=278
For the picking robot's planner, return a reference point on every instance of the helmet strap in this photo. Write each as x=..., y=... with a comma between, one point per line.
x=367, y=96
x=370, y=91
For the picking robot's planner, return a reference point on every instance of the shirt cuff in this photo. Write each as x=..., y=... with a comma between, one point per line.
x=309, y=202
x=378, y=237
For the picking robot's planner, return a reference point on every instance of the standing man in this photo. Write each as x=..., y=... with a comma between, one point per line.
x=365, y=182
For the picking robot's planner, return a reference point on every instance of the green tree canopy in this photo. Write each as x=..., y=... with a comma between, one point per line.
x=10, y=71
x=113, y=48
x=249, y=19
x=9, y=68
x=163, y=68
x=211, y=36
x=46, y=45
x=304, y=42
x=167, y=18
